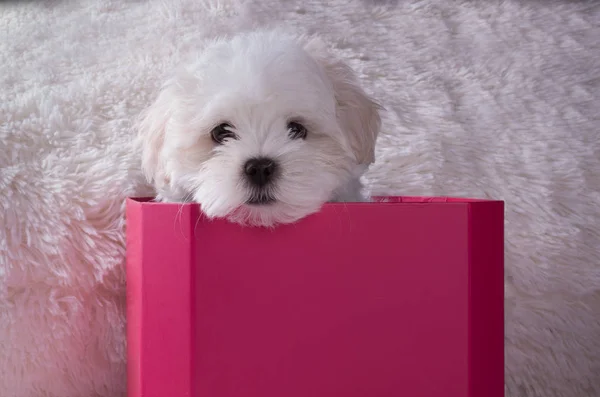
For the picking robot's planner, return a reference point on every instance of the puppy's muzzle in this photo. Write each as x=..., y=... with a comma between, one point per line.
x=260, y=171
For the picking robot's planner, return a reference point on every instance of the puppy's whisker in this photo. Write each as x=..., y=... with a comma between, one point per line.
x=179, y=214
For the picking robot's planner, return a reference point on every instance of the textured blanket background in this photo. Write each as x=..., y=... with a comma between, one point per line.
x=484, y=98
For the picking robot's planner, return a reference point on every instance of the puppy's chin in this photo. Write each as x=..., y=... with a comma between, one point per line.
x=270, y=215
x=246, y=213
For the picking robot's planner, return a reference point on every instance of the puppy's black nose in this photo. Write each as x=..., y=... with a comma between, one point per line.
x=260, y=171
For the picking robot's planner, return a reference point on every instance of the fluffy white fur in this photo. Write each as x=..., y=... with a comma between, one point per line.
x=483, y=98
x=257, y=82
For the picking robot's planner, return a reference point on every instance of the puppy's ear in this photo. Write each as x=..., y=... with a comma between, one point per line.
x=151, y=127
x=357, y=113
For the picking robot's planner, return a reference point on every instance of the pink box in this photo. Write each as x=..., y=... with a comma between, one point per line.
x=397, y=298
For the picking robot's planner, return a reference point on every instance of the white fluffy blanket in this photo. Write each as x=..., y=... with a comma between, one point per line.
x=491, y=99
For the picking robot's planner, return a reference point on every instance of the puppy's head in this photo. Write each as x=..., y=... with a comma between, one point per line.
x=260, y=129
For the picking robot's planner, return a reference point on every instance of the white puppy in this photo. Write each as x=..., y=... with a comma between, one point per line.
x=261, y=129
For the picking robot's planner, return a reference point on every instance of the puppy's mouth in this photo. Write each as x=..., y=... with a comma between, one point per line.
x=260, y=199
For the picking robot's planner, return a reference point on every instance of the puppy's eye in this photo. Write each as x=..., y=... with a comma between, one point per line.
x=296, y=130
x=221, y=133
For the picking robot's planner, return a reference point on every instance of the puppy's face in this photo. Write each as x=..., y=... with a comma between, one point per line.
x=254, y=130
